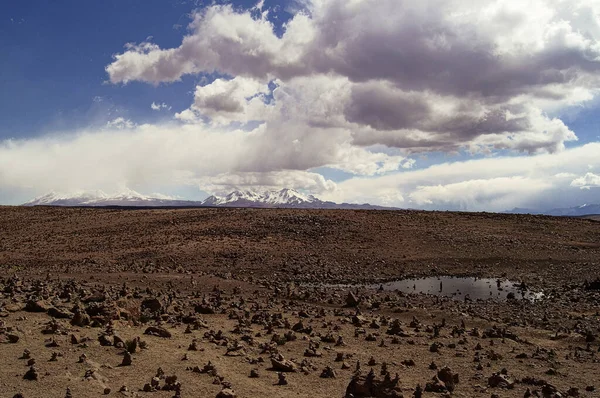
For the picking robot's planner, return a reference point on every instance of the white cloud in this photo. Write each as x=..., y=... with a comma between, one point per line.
x=157, y=107
x=482, y=75
x=227, y=182
x=493, y=184
x=147, y=156
x=120, y=123
x=589, y=180
x=223, y=101
x=500, y=193
x=187, y=116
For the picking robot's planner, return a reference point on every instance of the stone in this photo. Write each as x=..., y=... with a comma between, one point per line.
x=280, y=364
x=59, y=313
x=281, y=379
x=418, y=392
x=328, y=373
x=36, y=306
x=151, y=304
x=449, y=378
x=104, y=340
x=369, y=386
x=226, y=393
x=31, y=374
x=127, y=359
x=352, y=300
x=157, y=331
x=501, y=381
x=12, y=338
x=80, y=319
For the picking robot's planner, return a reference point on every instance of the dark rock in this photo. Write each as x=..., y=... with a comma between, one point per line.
x=328, y=373
x=59, y=314
x=501, y=381
x=36, y=306
x=370, y=386
x=281, y=379
x=152, y=305
x=127, y=360
x=104, y=340
x=31, y=374
x=449, y=378
x=12, y=338
x=280, y=364
x=157, y=331
x=352, y=300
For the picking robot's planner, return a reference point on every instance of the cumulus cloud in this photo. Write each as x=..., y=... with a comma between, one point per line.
x=589, y=180
x=429, y=75
x=223, y=101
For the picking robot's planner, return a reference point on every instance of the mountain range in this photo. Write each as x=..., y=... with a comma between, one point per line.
x=577, y=211
x=284, y=198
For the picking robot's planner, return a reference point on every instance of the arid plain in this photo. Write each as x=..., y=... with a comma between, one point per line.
x=276, y=303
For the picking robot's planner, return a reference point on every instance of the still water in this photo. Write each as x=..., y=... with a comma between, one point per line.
x=459, y=288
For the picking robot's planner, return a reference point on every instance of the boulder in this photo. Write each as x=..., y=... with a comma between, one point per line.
x=157, y=331
x=280, y=364
x=370, y=386
x=152, y=305
x=36, y=306
x=501, y=381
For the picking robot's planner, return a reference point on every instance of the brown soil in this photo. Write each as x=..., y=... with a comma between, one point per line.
x=253, y=274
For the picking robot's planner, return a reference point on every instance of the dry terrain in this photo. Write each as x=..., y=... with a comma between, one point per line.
x=257, y=303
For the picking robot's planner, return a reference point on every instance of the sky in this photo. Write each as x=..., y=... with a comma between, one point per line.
x=476, y=105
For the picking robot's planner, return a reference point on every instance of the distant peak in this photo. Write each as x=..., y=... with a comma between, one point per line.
x=92, y=198
x=282, y=197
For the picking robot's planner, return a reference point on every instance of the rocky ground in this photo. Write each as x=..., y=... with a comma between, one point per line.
x=238, y=302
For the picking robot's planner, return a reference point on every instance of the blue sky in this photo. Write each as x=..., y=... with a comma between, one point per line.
x=365, y=111
x=55, y=54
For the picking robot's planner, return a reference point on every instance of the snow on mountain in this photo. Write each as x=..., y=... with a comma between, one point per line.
x=127, y=197
x=55, y=197
x=285, y=198
x=289, y=196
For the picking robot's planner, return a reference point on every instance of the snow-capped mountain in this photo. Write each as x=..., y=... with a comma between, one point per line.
x=99, y=198
x=285, y=198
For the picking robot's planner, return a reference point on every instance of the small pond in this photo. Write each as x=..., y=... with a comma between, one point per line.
x=460, y=287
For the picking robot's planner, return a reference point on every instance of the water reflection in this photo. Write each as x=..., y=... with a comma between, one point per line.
x=462, y=288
